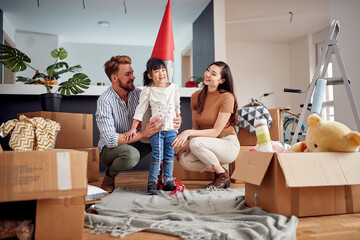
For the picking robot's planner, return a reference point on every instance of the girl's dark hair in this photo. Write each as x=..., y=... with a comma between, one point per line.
x=226, y=86
x=152, y=64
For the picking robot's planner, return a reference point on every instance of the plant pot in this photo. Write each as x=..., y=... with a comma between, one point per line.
x=50, y=102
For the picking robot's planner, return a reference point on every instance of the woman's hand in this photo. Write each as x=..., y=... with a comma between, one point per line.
x=185, y=150
x=180, y=139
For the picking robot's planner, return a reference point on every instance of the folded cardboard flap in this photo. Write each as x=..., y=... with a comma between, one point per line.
x=302, y=169
x=252, y=166
x=320, y=169
x=42, y=174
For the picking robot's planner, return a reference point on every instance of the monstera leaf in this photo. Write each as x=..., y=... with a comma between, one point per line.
x=13, y=58
x=75, y=84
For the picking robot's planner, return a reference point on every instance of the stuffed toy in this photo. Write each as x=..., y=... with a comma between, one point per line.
x=327, y=136
x=23, y=230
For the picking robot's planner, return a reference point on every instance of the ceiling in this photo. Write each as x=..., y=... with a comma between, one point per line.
x=269, y=20
x=72, y=22
x=246, y=20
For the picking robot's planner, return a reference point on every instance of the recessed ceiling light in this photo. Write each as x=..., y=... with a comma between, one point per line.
x=104, y=24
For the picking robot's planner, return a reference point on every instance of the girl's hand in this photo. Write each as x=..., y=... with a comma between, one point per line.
x=177, y=121
x=180, y=139
x=130, y=134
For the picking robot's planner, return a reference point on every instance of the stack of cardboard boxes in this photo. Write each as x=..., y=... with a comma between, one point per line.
x=76, y=133
x=56, y=180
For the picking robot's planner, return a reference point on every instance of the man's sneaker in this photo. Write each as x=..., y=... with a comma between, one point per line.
x=169, y=186
x=152, y=188
x=108, y=183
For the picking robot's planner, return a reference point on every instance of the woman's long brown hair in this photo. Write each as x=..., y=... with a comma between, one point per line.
x=226, y=86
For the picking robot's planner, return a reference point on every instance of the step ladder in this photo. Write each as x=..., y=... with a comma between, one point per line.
x=329, y=48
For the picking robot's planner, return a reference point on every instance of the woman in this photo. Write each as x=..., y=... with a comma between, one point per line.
x=213, y=140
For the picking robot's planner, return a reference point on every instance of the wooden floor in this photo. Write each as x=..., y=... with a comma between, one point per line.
x=327, y=227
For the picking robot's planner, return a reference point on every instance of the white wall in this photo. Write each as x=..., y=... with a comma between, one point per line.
x=219, y=30
x=258, y=68
x=92, y=58
x=8, y=28
x=180, y=46
x=36, y=46
x=299, y=72
x=347, y=12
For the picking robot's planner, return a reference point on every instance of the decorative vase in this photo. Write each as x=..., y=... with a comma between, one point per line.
x=50, y=102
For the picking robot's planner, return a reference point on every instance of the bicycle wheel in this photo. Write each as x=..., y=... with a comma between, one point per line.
x=289, y=129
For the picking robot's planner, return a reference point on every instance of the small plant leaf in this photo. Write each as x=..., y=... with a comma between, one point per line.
x=59, y=53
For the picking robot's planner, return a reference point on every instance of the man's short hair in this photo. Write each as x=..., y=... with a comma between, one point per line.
x=112, y=66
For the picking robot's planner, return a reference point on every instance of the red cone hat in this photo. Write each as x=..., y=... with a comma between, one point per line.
x=164, y=45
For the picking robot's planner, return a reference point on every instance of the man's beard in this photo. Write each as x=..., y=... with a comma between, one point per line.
x=129, y=86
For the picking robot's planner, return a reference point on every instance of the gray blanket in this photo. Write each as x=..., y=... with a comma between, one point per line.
x=201, y=214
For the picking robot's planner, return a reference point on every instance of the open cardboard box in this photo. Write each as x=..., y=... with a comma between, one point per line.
x=56, y=180
x=301, y=184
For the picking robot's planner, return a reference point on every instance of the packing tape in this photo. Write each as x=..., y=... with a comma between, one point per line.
x=84, y=121
x=64, y=171
x=349, y=199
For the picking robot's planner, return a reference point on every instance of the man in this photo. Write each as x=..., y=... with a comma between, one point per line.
x=114, y=116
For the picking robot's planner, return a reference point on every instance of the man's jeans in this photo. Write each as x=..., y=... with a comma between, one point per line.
x=162, y=150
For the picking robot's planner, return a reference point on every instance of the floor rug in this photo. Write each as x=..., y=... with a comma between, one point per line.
x=201, y=214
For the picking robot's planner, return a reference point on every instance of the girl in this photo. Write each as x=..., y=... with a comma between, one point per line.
x=213, y=140
x=164, y=100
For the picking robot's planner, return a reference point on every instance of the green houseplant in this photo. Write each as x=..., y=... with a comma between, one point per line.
x=17, y=61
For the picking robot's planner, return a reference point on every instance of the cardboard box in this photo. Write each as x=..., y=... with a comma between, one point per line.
x=76, y=128
x=276, y=130
x=93, y=163
x=301, y=184
x=59, y=219
x=235, y=164
x=47, y=174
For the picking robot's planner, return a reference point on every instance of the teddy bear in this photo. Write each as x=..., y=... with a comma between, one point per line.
x=327, y=136
x=23, y=230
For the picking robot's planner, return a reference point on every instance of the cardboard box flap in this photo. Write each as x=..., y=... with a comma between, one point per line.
x=320, y=169
x=350, y=165
x=252, y=167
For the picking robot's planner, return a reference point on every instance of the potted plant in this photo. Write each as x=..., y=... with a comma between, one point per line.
x=17, y=61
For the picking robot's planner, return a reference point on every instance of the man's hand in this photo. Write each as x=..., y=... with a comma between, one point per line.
x=177, y=121
x=152, y=127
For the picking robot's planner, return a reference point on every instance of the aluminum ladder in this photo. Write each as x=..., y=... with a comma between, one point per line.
x=330, y=47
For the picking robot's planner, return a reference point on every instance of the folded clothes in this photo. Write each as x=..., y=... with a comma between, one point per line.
x=30, y=133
